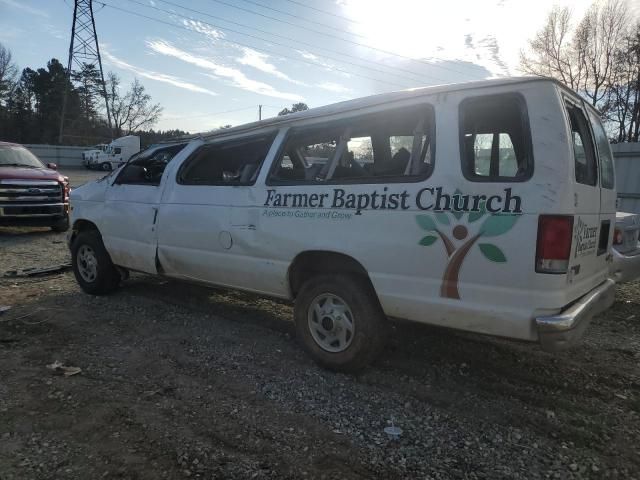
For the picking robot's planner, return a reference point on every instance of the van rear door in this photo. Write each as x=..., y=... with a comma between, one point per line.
x=588, y=263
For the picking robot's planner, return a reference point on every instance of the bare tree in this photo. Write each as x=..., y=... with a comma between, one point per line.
x=553, y=51
x=581, y=56
x=624, y=99
x=8, y=73
x=133, y=110
x=601, y=32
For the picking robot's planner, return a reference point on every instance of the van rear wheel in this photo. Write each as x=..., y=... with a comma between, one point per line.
x=339, y=322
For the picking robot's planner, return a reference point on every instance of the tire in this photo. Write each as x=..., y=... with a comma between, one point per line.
x=61, y=225
x=106, y=166
x=102, y=279
x=347, y=353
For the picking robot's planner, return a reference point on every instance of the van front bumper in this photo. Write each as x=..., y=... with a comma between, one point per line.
x=625, y=267
x=561, y=331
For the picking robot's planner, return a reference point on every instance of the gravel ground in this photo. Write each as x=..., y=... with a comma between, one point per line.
x=181, y=381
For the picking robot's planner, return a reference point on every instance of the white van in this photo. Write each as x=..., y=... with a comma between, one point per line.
x=485, y=206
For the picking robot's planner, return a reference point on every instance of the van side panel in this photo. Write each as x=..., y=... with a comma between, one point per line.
x=499, y=291
x=472, y=269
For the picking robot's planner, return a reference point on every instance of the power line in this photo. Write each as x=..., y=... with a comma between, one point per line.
x=342, y=17
x=420, y=76
x=387, y=52
x=260, y=49
x=300, y=18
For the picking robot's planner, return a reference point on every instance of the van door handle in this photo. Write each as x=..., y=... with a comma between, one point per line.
x=155, y=214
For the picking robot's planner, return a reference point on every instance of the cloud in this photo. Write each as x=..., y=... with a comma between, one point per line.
x=258, y=61
x=160, y=77
x=315, y=59
x=203, y=28
x=334, y=87
x=55, y=32
x=10, y=33
x=236, y=77
x=25, y=8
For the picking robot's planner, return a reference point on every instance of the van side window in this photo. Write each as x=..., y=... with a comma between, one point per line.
x=583, y=150
x=117, y=150
x=391, y=146
x=146, y=168
x=495, y=140
x=604, y=153
x=234, y=162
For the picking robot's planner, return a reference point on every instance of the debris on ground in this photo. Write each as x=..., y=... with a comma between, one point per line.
x=4, y=308
x=60, y=369
x=393, y=432
x=37, y=271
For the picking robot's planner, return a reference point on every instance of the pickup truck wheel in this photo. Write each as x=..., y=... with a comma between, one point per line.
x=106, y=166
x=92, y=266
x=61, y=225
x=340, y=322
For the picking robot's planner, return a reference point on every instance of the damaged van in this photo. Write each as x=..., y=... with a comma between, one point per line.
x=485, y=206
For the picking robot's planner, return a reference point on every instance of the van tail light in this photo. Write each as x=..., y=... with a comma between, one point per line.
x=617, y=237
x=555, y=233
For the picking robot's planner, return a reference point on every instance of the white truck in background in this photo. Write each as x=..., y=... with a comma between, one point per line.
x=115, y=154
x=88, y=155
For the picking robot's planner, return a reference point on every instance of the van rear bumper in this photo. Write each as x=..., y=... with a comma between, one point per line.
x=561, y=331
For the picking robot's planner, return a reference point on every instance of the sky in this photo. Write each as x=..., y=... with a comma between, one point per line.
x=212, y=62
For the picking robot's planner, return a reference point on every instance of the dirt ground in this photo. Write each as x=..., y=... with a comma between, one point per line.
x=180, y=381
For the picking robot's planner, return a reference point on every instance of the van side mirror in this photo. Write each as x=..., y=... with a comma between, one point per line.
x=52, y=166
x=132, y=174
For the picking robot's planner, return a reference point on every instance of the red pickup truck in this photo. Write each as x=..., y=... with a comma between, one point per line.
x=31, y=194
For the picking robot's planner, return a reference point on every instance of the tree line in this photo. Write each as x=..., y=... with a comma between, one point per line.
x=598, y=56
x=31, y=105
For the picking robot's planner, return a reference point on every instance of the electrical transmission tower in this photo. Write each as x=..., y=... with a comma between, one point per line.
x=83, y=49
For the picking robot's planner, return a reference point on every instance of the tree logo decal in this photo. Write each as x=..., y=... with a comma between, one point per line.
x=493, y=226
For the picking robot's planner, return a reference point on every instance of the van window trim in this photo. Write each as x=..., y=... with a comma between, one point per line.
x=596, y=146
x=528, y=140
x=273, y=134
x=293, y=129
x=582, y=106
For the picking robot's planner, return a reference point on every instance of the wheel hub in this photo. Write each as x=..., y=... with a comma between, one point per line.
x=87, y=263
x=327, y=323
x=331, y=323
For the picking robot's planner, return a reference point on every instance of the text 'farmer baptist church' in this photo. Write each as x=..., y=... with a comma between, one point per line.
x=425, y=199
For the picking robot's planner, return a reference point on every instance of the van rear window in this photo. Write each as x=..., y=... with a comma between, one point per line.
x=495, y=140
x=583, y=149
x=604, y=153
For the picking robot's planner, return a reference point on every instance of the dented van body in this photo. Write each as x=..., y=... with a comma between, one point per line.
x=484, y=206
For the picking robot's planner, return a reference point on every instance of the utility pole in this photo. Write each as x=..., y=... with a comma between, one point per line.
x=259, y=112
x=83, y=48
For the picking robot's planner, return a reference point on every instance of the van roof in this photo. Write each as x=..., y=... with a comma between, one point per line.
x=370, y=101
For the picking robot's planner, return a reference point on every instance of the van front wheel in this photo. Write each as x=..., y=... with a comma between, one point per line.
x=92, y=265
x=340, y=322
